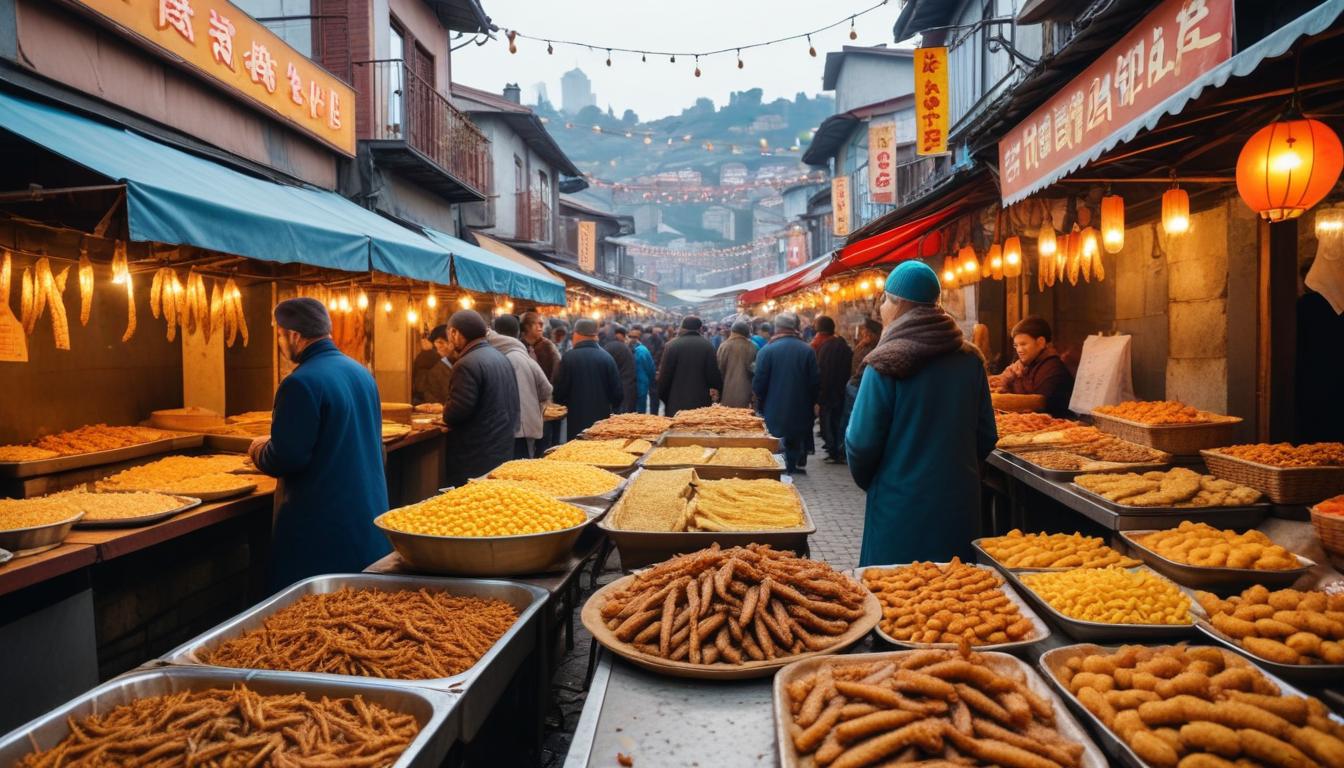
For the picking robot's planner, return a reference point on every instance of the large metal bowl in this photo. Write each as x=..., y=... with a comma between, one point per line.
x=37, y=538
x=486, y=555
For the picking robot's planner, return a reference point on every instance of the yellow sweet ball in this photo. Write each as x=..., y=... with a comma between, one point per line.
x=557, y=479
x=1112, y=595
x=485, y=508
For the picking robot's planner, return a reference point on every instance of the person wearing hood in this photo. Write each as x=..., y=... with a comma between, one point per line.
x=921, y=425
x=534, y=390
x=785, y=383
x=737, y=360
x=689, y=375
x=620, y=351
x=645, y=370
x=587, y=384
x=482, y=409
x=1038, y=369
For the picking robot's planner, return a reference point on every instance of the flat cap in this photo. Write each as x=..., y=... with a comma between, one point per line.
x=305, y=316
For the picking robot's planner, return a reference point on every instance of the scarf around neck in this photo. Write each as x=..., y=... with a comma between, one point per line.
x=915, y=338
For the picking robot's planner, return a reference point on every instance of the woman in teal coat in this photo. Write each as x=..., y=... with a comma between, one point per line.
x=922, y=423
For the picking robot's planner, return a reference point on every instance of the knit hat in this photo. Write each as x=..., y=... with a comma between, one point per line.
x=585, y=326
x=469, y=323
x=691, y=323
x=305, y=316
x=914, y=281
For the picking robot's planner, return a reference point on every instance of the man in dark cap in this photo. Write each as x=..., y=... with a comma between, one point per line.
x=689, y=375
x=326, y=448
x=588, y=383
x=785, y=384
x=482, y=409
x=619, y=349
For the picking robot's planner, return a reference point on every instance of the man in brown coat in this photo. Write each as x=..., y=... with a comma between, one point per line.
x=737, y=361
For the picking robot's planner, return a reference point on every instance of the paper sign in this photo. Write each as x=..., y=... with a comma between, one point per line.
x=882, y=162
x=1104, y=375
x=588, y=246
x=840, y=206
x=932, y=101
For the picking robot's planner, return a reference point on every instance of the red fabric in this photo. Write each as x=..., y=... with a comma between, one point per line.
x=787, y=285
x=895, y=245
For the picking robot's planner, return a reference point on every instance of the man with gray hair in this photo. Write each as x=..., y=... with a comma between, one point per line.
x=785, y=384
x=737, y=360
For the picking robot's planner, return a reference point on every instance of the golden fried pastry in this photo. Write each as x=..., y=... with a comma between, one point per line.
x=1111, y=595
x=1016, y=423
x=673, y=456
x=601, y=453
x=954, y=603
x=1286, y=626
x=743, y=457
x=654, y=501
x=1176, y=487
x=1052, y=550
x=1203, y=545
x=1159, y=413
x=744, y=505
x=1287, y=454
x=88, y=439
x=720, y=420
x=558, y=479
x=628, y=426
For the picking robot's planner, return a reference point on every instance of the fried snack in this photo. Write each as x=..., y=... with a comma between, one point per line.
x=954, y=603
x=743, y=457
x=9, y=453
x=118, y=506
x=1286, y=626
x=744, y=505
x=1109, y=448
x=1052, y=550
x=235, y=727
x=1159, y=413
x=403, y=635
x=654, y=501
x=730, y=606
x=1070, y=436
x=87, y=439
x=1203, y=545
x=637, y=446
x=1331, y=506
x=719, y=420
x=1061, y=460
x=485, y=508
x=1287, y=454
x=1111, y=595
x=558, y=479
x=551, y=412
x=1176, y=487
x=601, y=453
x=1203, y=706
x=672, y=456
x=1017, y=423
x=178, y=474
x=628, y=426
x=29, y=513
x=925, y=707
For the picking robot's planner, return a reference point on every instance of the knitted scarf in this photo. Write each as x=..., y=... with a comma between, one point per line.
x=908, y=344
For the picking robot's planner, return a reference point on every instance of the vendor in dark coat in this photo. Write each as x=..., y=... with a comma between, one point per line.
x=326, y=447
x=619, y=349
x=833, y=358
x=786, y=382
x=689, y=375
x=482, y=408
x=587, y=383
x=1038, y=369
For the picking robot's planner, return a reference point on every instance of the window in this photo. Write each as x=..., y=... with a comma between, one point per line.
x=396, y=85
x=290, y=20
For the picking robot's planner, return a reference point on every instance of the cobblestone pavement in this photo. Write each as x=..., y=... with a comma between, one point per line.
x=836, y=505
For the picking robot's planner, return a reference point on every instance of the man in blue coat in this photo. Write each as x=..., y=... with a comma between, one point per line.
x=922, y=423
x=645, y=370
x=326, y=447
x=785, y=384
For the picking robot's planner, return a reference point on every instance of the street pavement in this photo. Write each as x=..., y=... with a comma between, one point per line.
x=836, y=505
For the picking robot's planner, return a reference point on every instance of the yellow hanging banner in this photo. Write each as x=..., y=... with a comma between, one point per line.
x=840, y=206
x=932, y=101
x=588, y=246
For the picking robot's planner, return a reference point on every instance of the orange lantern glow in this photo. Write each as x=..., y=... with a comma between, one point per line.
x=970, y=265
x=1089, y=251
x=1113, y=223
x=1175, y=211
x=1288, y=166
x=949, y=272
x=1012, y=257
x=995, y=261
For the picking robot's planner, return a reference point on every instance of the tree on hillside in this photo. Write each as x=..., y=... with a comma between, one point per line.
x=629, y=117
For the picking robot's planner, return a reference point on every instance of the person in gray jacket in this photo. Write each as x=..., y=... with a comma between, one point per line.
x=737, y=361
x=534, y=389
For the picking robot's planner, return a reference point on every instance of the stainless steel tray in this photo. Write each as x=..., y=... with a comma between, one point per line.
x=1315, y=674
x=1095, y=630
x=1065, y=723
x=37, y=538
x=1211, y=578
x=715, y=440
x=436, y=712
x=984, y=558
x=1040, y=630
x=1066, y=475
x=130, y=522
x=1116, y=748
x=1263, y=508
x=480, y=685
x=5, y=556
x=177, y=441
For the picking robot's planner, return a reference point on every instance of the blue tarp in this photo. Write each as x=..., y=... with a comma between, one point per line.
x=480, y=270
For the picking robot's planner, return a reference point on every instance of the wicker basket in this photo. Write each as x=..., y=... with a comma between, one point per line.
x=1283, y=485
x=1176, y=439
x=1330, y=530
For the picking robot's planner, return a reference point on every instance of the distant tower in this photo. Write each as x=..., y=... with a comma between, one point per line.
x=576, y=91
x=542, y=97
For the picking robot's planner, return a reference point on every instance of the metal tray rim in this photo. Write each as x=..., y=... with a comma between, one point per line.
x=1125, y=509
x=31, y=528
x=1067, y=475
x=31, y=467
x=993, y=561
x=1304, y=563
x=1287, y=671
x=1099, y=629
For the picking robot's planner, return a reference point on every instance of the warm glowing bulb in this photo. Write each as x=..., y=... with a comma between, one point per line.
x=343, y=303
x=508, y=305
x=949, y=276
x=465, y=302
x=118, y=277
x=1285, y=161
x=362, y=300
x=431, y=301
x=411, y=315
x=387, y=306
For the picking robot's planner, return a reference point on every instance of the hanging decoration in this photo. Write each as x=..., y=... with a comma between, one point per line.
x=1175, y=211
x=1089, y=251
x=994, y=258
x=1289, y=166
x=949, y=272
x=85, y=285
x=1012, y=256
x=970, y=266
x=1113, y=223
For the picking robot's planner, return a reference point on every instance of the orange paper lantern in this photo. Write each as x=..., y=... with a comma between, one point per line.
x=970, y=265
x=1088, y=251
x=1012, y=257
x=1113, y=223
x=1289, y=166
x=1045, y=239
x=1175, y=211
x=949, y=272
x=994, y=261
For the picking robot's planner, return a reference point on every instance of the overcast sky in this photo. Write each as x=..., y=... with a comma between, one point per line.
x=658, y=88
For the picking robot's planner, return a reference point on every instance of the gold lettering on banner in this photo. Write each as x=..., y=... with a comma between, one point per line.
x=840, y=206
x=931, y=101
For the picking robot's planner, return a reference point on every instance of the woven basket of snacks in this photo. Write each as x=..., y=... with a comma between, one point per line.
x=1327, y=518
x=1174, y=428
x=1286, y=474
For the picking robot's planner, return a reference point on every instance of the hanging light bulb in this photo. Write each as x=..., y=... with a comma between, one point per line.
x=811, y=50
x=697, y=66
x=648, y=139
x=387, y=305
x=465, y=302
x=431, y=300
x=608, y=57
x=644, y=57
x=343, y=304
x=1012, y=257
x=673, y=59
x=549, y=49
x=994, y=259
x=412, y=316
x=1045, y=238
x=1113, y=223
x=1089, y=251
x=362, y=301
x=513, y=45
x=508, y=305
x=1175, y=211
x=739, y=59
x=853, y=34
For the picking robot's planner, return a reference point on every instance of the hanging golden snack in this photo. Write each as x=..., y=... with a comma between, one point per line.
x=179, y=302
x=60, y=323
x=189, y=320
x=130, y=309
x=169, y=301
x=85, y=287
x=26, y=301
x=5, y=268
x=42, y=284
x=216, y=323
x=156, y=293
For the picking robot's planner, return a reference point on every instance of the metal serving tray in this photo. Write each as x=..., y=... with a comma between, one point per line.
x=1214, y=578
x=1263, y=508
x=22, y=542
x=984, y=558
x=1115, y=747
x=1040, y=630
x=435, y=712
x=1315, y=674
x=715, y=440
x=177, y=441
x=130, y=522
x=480, y=686
x=1066, y=475
x=1096, y=630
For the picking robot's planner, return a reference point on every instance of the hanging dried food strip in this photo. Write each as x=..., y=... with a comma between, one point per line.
x=60, y=323
x=6, y=269
x=85, y=287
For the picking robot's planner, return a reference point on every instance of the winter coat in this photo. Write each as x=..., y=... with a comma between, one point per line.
x=327, y=447
x=645, y=371
x=1046, y=376
x=689, y=370
x=481, y=413
x=533, y=387
x=833, y=359
x=759, y=341
x=786, y=384
x=655, y=342
x=737, y=358
x=921, y=425
x=547, y=356
x=625, y=369
x=429, y=378
x=588, y=385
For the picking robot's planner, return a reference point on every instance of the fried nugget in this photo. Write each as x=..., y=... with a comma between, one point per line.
x=924, y=734
x=1210, y=737
x=1325, y=748
x=1294, y=709
x=1272, y=751
x=1271, y=650
x=1204, y=760
x=1153, y=750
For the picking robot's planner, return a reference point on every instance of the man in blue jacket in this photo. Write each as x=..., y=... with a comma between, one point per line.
x=786, y=382
x=326, y=447
x=645, y=370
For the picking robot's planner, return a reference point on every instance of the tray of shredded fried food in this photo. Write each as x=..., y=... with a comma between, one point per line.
x=730, y=613
x=117, y=509
x=1200, y=556
x=628, y=426
x=89, y=446
x=30, y=526
x=716, y=462
x=569, y=481
x=1064, y=465
x=930, y=707
x=1297, y=634
x=202, y=477
x=610, y=455
x=1194, y=707
x=196, y=716
x=1018, y=423
x=719, y=420
x=1174, y=490
x=1047, y=551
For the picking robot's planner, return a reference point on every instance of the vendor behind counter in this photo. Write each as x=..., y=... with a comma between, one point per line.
x=1038, y=369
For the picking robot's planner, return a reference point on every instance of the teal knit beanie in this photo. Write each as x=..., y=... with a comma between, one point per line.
x=914, y=281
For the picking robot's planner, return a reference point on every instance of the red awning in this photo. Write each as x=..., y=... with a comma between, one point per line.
x=788, y=284
x=914, y=239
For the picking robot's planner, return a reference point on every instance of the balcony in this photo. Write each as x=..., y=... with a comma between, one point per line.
x=413, y=129
x=532, y=217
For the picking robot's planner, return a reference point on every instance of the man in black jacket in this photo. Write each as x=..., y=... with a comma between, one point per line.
x=833, y=358
x=482, y=409
x=587, y=383
x=689, y=375
x=655, y=342
x=619, y=349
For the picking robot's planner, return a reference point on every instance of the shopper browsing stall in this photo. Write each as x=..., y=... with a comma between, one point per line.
x=1038, y=369
x=688, y=376
x=737, y=360
x=588, y=383
x=534, y=390
x=482, y=408
x=786, y=384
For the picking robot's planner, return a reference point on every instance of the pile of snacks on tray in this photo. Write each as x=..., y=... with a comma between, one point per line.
x=730, y=606
x=1110, y=448
x=719, y=420
x=719, y=457
x=235, y=727
x=644, y=426
x=744, y=505
x=554, y=411
x=954, y=603
x=1331, y=506
x=1018, y=423
x=485, y=508
x=1052, y=550
x=558, y=479
x=1070, y=436
x=602, y=453
x=1287, y=454
x=253, y=416
x=743, y=457
x=30, y=513
x=1203, y=545
x=187, y=475
x=1201, y=707
x=1111, y=595
x=402, y=635
x=1157, y=413
x=87, y=439
x=117, y=506
x=1286, y=626
x=674, y=455
x=930, y=707
x=1178, y=487
x=654, y=501
x=242, y=429
x=434, y=408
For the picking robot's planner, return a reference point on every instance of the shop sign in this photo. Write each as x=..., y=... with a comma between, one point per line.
x=221, y=42
x=588, y=246
x=882, y=162
x=653, y=293
x=1173, y=45
x=932, y=101
x=797, y=254
x=840, y=206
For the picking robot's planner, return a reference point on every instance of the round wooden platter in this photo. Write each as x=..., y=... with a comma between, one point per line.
x=592, y=619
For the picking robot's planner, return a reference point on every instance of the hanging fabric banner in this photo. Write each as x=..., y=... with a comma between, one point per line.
x=588, y=246
x=882, y=162
x=840, y=206
x=932, y=101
